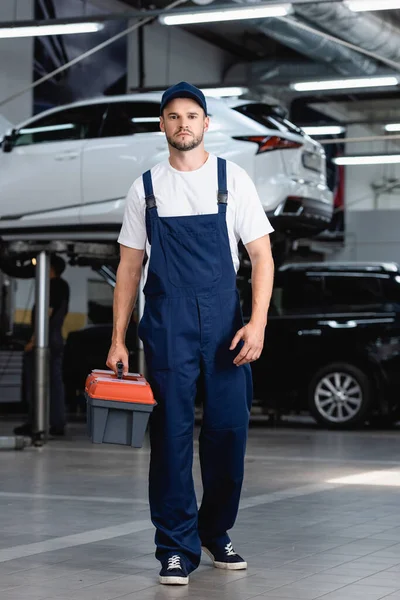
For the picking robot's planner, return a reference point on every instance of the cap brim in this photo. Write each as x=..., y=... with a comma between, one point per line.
x=183, y=94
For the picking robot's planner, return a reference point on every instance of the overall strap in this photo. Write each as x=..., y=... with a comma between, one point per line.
x=148, y=190
x=150, y=200
x=222, y=185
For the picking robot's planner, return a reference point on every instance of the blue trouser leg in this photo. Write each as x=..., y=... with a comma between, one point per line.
x=222, y=449
x=57, y=392
x=171, y=489
x=28, y=382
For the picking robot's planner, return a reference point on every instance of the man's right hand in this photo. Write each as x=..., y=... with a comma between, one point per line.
x=118, y=352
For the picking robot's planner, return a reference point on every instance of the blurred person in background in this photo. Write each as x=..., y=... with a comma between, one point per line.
x=58, y=309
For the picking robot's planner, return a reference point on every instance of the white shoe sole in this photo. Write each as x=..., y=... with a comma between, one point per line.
x=174, y=580
x=221, y=565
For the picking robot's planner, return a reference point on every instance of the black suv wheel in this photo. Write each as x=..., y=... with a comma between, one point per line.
x=339, y=395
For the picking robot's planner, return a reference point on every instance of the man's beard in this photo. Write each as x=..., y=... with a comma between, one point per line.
x=185, y=146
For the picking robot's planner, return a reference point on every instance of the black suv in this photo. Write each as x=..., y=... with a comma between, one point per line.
x=332, y=344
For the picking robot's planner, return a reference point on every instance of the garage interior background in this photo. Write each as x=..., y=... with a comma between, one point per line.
x=265, y=57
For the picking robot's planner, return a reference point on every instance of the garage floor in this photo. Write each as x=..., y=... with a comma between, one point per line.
x=74, y=521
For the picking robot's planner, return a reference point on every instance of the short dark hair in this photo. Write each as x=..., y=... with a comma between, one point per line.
x=58, y=264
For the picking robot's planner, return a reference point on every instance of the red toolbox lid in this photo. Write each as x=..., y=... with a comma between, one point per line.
x=105, y=385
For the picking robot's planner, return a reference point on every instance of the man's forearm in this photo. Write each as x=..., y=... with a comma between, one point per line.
x=262, y=280
x=125, y=294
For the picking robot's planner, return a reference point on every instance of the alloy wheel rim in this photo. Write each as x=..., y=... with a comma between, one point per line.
x=338, y=397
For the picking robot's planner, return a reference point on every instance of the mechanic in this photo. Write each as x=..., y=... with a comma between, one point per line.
x=58, y=303
x=189, y=213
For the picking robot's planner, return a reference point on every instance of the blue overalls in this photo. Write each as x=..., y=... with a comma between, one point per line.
x=191, y=315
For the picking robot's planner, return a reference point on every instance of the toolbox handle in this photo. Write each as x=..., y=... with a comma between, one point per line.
x=120, y=369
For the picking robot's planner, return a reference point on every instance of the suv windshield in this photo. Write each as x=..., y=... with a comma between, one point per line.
x=267, y=116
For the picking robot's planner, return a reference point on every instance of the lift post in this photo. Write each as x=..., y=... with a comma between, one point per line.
x=41, y=386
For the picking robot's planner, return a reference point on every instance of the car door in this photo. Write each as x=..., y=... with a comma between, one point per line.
x=130, y=143
x=292, y=338
x=41, y=172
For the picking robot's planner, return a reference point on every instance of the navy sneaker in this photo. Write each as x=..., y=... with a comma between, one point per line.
x=224, y=556
x=174, y=571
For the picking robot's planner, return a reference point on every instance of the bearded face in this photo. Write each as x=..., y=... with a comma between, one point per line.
x=184, y=124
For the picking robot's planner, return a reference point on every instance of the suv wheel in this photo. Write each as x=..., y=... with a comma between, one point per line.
x=339, y=395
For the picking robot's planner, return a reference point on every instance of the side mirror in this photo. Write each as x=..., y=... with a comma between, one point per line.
x=9, y=141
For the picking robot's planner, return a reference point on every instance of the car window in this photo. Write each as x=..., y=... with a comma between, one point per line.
x=353, y=292
x=78, y=123
x=128, y=118
x=391, y=289
x=265, y=115
x=318, y=292
x=295, y=293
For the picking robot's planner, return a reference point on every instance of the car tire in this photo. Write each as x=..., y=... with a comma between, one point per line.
x=339, y=396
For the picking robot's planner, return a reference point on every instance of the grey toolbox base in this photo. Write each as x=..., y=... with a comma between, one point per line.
x=113, y=422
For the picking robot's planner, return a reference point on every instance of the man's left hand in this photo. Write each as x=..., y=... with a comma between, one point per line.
x=253, y=338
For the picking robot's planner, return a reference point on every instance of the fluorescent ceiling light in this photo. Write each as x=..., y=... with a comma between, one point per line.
x=228, y=14
x=224, y=92
x=365, y=5
x=392, y=127
x=343, y=84
x=63, y=29
x=377, y=159
x=324, y=130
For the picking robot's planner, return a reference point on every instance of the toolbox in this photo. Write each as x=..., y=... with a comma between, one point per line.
x=118, y=407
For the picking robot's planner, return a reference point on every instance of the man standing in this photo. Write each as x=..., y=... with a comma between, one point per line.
x=189, y=214
x=58, y=309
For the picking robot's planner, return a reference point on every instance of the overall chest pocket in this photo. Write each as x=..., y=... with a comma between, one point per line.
x=193, y=252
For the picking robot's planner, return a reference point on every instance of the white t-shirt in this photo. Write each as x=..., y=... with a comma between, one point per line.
x=188, y=193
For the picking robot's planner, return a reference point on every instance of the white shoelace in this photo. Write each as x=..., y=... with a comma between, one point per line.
x=174, y=562
x=229, y=550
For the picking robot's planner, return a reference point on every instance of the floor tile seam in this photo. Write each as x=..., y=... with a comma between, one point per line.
x=52, y=597
x=322, y=460
x=58, y=497
x=338, y=590
x=66, y=541
x=323, y=570
x=364, y=576
x=83, y=587
x=49, y=578
x=356, y=540
x=277, y=588
x=271, y=458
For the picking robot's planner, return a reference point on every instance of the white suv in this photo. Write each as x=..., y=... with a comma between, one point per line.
x=70, y=168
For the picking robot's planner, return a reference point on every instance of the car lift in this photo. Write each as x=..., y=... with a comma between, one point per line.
x=79, y=252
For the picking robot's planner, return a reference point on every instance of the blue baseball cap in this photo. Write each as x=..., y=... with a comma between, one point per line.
x=183, y=90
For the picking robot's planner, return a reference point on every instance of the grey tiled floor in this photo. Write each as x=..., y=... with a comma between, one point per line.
x=74, y=521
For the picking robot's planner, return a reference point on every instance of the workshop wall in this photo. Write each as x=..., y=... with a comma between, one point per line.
x=367, y=187
x=172, y=55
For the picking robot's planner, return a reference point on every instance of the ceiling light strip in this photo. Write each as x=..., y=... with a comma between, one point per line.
x=377, y=159
x=228, y=14
x=392, y=127
x=40, y=30
x=344, y=84
x=371, y=5
x=225, y=92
